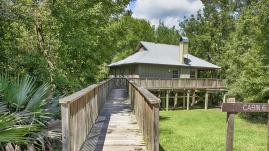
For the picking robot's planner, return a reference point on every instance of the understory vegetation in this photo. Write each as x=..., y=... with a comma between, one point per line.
x=203, y=130
x=27, y=117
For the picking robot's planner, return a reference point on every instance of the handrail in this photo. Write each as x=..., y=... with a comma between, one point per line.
x=157, y=83
x=150, y=98
x=77, y=95
x=146, y=108
x=82, y=107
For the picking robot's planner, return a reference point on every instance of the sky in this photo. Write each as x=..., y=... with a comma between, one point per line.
x=168, y=11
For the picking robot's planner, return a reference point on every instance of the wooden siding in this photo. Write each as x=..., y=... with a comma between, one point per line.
x=185, y=72
x=151, y=71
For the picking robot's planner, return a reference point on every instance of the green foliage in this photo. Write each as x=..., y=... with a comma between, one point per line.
x=11, y=132
x=166, y=35
x=22, y=93
x=62, y=42
x=247, y=51
x=26, y=111
x=70, y=43
x=234, y=35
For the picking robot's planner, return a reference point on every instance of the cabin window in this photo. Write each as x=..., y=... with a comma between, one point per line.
x=192, y=74
x=175, y=74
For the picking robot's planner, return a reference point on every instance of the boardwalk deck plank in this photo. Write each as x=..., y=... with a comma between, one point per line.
x=116, y=128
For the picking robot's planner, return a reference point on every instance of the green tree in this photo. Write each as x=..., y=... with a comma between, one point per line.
x=247, y=52
x=166, y=35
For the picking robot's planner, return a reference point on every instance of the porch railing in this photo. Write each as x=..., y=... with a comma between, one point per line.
x=154, y=83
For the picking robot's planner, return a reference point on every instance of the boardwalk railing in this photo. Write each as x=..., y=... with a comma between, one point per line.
x=154, y=83
x=79, y=112
x=146, y=108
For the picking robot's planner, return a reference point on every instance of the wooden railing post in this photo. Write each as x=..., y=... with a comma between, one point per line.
x=155, y=129
x=65, y=127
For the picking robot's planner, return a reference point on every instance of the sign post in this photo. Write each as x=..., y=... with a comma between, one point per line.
x=231, y=108
x=230, y=128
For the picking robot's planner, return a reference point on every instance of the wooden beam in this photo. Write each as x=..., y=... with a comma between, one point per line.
x=175, y=100
x=206, y=100
x=230, y=129
x=188, y=100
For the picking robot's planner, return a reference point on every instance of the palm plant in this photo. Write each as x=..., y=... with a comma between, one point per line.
x=11, y=132
x=25, y=100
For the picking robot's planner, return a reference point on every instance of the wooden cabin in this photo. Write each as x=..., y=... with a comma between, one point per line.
x=154, y=60
x=170, y=72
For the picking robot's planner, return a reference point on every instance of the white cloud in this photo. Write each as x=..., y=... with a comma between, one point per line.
x=169, y=11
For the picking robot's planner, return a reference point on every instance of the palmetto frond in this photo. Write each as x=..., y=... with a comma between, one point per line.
x=32, y=113
x=3, y=107
x=37, y=97
x=24, y=88
x=11, y=132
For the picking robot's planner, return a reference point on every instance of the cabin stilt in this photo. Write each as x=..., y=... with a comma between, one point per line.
x=224, y=98
x=206, y=100
x=167, y=100
x=193, y=99
x=188, y=100
x=184, y=100
x=175, y=100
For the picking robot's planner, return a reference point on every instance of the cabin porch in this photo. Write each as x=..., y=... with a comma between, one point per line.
x=184, y=93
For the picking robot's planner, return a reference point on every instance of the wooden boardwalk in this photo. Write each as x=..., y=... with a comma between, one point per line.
x=116, y=127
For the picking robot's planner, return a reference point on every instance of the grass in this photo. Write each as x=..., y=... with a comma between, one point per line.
x=200, y=130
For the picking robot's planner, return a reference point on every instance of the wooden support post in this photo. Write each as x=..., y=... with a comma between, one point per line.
x=184, y=100
x=155, y=128
x=224, y=98
x=167, y=100
x=206, y=100
x=188, y=100
x=175, y=100
x=65, y=127
x=230, y=128
x=193, y=99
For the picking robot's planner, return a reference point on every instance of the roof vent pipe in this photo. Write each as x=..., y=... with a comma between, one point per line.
x=183, y=49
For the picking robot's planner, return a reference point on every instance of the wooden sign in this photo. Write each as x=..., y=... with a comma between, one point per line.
x=231, y=108
x=245, y=107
